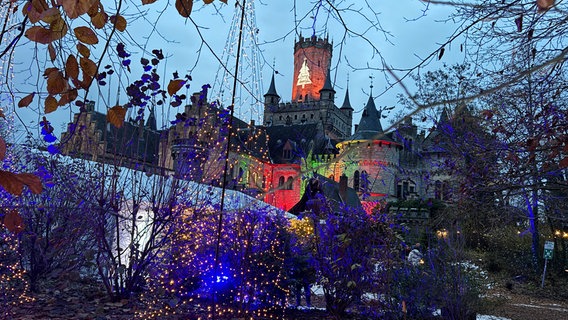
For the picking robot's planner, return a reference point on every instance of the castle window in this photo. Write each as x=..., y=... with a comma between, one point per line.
x=306, y=97
x=405, y=188
x=295, y=117
x=312, y=116
x=290, y=183
x=281, y=182
x=280, y=118
x=356, y=180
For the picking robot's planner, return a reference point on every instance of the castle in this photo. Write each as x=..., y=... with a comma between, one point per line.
x=309, y=135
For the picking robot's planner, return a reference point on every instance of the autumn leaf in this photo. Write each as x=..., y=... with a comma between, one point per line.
x=75, y=8
x=58, y=29
x=88, y=66
x=50, y=104
x=39, y=34
x=2, y=149
x=83, y=50
x=544, y=5
x=563, y=163
x=72, y=67
x=184, y=7
x=174, y=86
x=10, y=182
x=441, y=53
x=56, y=83
x=86, y=35
x=52, y=53
x=99, y=19
x=67, y=97
x=13, y=221
x=115, y=116
x=25, y=101
x=50, y=15
x=30, y=11
x=148, y=1
x=32, y=181
x=224, y=1
x=119, y=22
x=208, y=1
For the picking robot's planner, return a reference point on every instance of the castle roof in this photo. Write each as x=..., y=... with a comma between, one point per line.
x=329, y=189
x=272, y=88
x=370, y=127
x=327, y=85
x=346, y=103
x=303, y=139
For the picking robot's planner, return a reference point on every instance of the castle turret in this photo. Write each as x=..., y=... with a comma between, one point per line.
x=271, y=97
x=327, y=93
x=312, y=60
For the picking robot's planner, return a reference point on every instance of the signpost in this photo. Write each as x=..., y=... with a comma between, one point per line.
x=548, y=249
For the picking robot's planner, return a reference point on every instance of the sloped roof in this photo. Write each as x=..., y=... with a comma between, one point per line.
x=330, y=191
x=304, y=138
x=370, y=127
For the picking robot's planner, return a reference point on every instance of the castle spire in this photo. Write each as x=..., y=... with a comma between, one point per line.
x=271, y=97
x=327, y=92
x=151, y=122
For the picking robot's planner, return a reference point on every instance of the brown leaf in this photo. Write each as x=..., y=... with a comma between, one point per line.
x=86, y=35
x=56, y=83
x=2, y=149
x=67, y=97
x=10, y=182
x=52, y=53
x=224, y=1
x=119, y=22
x=50, y=15
x=207, y=1
x=29, y=10
x=58, y=29
x=115, y=116
x=99, y=19
x=83, y=50
x=32, y=181
x=544, y=5
x=13, y=221
x=88, y=66
x=563, y=163
x=184, y=7
x=148, y=1
x=174, y=86
x=50, y=104
x=72, y=67
x=39, y=34
x=49, y=70
x=75, y=8
x=94, y=9
x=25, y=101
x=2, y=115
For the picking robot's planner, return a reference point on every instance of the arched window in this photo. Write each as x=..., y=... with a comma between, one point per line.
x=356, y=181
x=280, y=182
x=289, y=183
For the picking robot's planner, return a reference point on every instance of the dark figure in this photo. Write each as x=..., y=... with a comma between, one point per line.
x=302, y=276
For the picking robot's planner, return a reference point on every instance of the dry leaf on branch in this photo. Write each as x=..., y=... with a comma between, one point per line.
x=86, y=35
x=184, y=7
x=115, y=116
x=13, y=221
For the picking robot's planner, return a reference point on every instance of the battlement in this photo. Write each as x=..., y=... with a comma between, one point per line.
x=313, y=41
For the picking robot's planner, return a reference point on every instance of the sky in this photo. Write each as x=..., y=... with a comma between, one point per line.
x=195, y=46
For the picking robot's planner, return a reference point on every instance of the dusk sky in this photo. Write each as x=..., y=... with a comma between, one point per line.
x=410, y=34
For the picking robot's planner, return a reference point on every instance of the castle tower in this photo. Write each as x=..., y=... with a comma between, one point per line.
x=312, y=60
